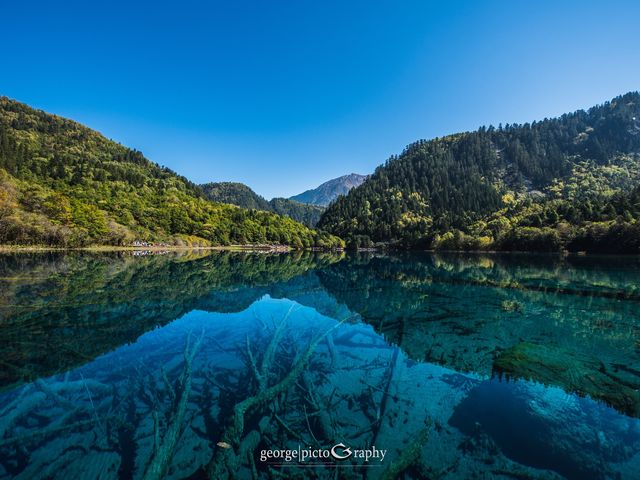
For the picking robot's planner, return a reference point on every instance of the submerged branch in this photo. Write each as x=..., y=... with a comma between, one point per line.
x=163, y=455
x=226, y=461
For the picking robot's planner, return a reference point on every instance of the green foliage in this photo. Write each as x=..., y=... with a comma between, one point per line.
x=242, y=196
x=458, y=240
x=359, y=242
x=544, y=186
x=236, y=194
x=608, y=237
x=532, y=239
x=304, y=213
x=66, y=185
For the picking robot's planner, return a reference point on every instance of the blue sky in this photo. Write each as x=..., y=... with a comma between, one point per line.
x=283, y=95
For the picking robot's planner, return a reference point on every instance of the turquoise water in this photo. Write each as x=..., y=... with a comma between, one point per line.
x=238, y=365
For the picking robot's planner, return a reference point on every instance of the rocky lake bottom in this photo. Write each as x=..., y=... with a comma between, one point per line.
x=211, y=365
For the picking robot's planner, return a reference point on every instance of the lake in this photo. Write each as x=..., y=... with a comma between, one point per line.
x=199, y=365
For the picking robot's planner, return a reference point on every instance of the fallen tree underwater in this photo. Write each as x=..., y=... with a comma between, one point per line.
x=164, y=448
x=204, y=408
x=226, y=461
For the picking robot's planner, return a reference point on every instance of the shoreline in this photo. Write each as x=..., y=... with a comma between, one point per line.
x=285, y=249
x=115, y=248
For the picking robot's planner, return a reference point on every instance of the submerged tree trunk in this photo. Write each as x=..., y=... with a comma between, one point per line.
x=226, y=461
x=157, y=469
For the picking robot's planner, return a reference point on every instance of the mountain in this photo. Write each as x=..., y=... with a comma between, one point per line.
x=569, y=183
x=66, y=185
x=329, y=191
x=241, y=195
x=304, y=213
x=236, y=194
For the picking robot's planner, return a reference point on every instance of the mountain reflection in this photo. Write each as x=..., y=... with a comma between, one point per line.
x=189, y=365
x=569, y=322
x=59, y=311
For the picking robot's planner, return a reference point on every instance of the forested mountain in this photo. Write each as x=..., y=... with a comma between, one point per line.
x=329, y=191
x=235, y=193
x=304, y=213
x=241, y=195
x=64, y=184
x=564, y=183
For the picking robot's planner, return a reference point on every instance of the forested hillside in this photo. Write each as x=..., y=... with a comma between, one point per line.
x=241, y=195
x=66, y=185
x=565, y=183
x=304, y=213
x=236, y=194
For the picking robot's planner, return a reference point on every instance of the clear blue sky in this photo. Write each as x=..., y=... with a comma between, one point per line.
x=283, y=95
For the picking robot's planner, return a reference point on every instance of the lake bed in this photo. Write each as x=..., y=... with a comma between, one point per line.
x=198, y=364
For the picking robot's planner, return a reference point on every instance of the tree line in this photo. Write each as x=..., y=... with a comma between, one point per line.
x=65, y=185
x=563, y=183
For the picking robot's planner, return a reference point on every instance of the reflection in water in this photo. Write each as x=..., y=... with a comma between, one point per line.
x=546, y=428
x=540, y=318
x=274, y=352
x=59, y=311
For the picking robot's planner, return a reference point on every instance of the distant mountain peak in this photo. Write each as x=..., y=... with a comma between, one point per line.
x=330, y=190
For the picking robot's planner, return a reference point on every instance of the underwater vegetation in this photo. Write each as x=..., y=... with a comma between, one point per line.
x=135, y=421
x=545, y=319
x=616, y=384
x=202, y=397
x=420, y=356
